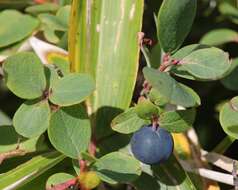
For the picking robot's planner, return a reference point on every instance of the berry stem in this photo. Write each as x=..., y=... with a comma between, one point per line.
x=155, y=123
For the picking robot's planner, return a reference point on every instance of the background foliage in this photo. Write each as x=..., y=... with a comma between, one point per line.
x=215, y=24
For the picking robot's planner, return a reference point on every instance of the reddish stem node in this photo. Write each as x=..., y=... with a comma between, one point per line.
x=83, y=166
x=92, y=147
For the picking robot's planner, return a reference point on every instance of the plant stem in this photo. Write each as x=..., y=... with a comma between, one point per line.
x=224, y=145
x=154, y=123
x=83, y=166
x=92, y=147
x=209, y=174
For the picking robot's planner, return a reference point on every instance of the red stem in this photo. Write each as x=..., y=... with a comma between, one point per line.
x=83, y=166
x=92, y=147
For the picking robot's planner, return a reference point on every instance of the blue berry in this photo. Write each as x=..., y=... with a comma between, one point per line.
x=152, y=146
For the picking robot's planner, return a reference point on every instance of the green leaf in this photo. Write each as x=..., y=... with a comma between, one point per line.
x=155, y=56
x=52, y=21
x=128, y=122
x=229, y=11
x=114, y=143
x=109, y=168
x=70, y=130
x=176, y=93
x=11, y=49
x=55, y=27
x=72, y=89
x=15, y=27
x=10, y=141
x=180, y=54
x=206, y=64
x=64, y=2
x=177, y=121
x=228, y=117
x=174, y=22
x=230, y=81
x=157, y=98
x=219, y=36
x=187, y=50
x=99, y=45
x=60, y=62
x=50, y=34
x=51, y=75
x=76, y=166
x=152, y=57
x=4, y=119
x=32, y=118
x=172, y=176
x=147, y=55
x=52, y=24
x=24, y=75
x=63, y=14
x=42, y=8
x=30, y=170
x=146, y=110
x=146, y=181
x=58, y=178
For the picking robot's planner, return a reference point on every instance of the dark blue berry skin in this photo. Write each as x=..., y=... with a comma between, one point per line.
x=152, y=146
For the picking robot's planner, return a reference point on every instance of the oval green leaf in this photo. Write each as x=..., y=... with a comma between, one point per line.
x=24, y=75
x=180, y=54
x=128, y=122
x=175, y=20
x=206, y=64
x=32, y=118
x=176, y=93
x=70, y=130
x=42, y=8
x=52, y=21
x=186, y=50
x=72, y=89
x=219, y=37
x=117, y=167
x=15, y=27
x=177, y=121
x=145, y=109
x=229, y=117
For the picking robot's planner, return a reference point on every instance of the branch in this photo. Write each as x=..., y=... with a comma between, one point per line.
x=11, y=154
